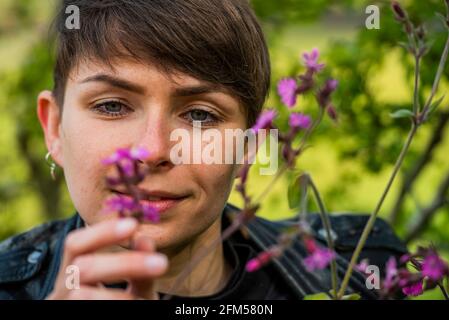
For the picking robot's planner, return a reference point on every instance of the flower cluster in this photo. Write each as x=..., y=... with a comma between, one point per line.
x=317, y=258
x=289, y=89
x=126, y=200
x=430, y=268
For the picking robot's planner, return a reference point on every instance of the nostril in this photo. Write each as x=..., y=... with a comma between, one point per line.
x=157, y=165
x=164, y=163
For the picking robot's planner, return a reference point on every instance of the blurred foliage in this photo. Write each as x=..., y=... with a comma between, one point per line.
x=350, y=162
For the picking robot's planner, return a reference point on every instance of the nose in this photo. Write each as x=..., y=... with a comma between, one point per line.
x=156, y=139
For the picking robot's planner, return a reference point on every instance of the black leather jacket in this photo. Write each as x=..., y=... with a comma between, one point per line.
x=29, y=262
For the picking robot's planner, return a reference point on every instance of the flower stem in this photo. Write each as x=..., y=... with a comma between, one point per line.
x=370, y=224
x=299, y=150
x=279, y=173
x=327, y=226
x=436, y=82
x=416, y=94
x=443, y=290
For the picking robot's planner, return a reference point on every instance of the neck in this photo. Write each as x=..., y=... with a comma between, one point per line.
x=209, y=276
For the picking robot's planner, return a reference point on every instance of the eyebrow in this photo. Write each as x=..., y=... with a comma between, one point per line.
x=196, y=90
x=116, y=82
x=132, y=87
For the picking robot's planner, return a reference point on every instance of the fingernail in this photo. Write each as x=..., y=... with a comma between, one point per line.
x=125, y=226
x=156, y=261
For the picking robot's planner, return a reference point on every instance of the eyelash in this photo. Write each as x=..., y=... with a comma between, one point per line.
x=215, y=118
x=97, y=108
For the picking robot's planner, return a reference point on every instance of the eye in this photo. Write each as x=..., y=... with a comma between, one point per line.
x=200, y=115
x=112, y=108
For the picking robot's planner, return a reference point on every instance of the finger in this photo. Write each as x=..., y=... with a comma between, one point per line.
x=144, y=243
x=92, y=293
x=98, y=236
x=143, y=288
x=111, y=267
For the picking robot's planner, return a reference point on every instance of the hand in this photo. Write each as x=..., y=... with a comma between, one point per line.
x=139, y=267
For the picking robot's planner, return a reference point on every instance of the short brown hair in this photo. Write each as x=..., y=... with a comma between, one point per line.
x=218, y=41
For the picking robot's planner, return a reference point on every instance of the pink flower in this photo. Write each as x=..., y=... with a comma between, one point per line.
x=139, y=153
x=391, y=273
x=434, y=267
x=116, y=157
x=253, y=265
x=256, y=263
x=126, y=161
x=331, y=85
x=319, y=259
x=265, y=120
x=127, y=206
x=287, y=90
x=414, y=290
x=120, y=204
x=150, y=213
x=362, y=266
x=331, y=112
x=311, y=60
x=124, y=154
x=262, y=259
x=324, y=94
x=405, y=258
x=299, y=120
x=310, y=244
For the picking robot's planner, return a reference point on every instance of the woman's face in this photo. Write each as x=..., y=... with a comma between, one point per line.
x=137, y=105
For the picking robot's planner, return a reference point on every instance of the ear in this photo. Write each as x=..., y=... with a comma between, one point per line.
x=48, y=113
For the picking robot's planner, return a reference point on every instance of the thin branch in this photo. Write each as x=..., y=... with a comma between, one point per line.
x=327, y=226
x=416, y=91
x=436, y=82
x=439, y=201
x=445, y=294
x=372, y=219
x=424, y=160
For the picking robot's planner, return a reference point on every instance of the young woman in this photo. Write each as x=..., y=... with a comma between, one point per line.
x=131, y=74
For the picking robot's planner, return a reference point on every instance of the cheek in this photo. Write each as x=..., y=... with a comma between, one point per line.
x=216, y=182
x=84, y=145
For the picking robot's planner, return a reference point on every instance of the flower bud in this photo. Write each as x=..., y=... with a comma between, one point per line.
x=331, y=112
x=398, y=11
x=421, y=32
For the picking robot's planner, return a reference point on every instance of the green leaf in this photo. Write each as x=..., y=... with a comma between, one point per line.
x=352, y=296
x=402, y=113
x=294, y=194
x=434, y=106
x=442, y=17
x=295, y=191
x=405, y=45
x=318, y=296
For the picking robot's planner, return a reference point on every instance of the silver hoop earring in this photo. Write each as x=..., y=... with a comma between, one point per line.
x=51, y=164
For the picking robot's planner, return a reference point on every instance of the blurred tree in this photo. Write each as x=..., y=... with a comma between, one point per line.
x=34, y=76
x=366, y=132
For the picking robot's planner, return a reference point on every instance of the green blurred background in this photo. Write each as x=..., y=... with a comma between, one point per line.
x=350, y=162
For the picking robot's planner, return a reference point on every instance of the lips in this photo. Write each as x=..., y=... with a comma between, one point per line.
x=161, y=200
